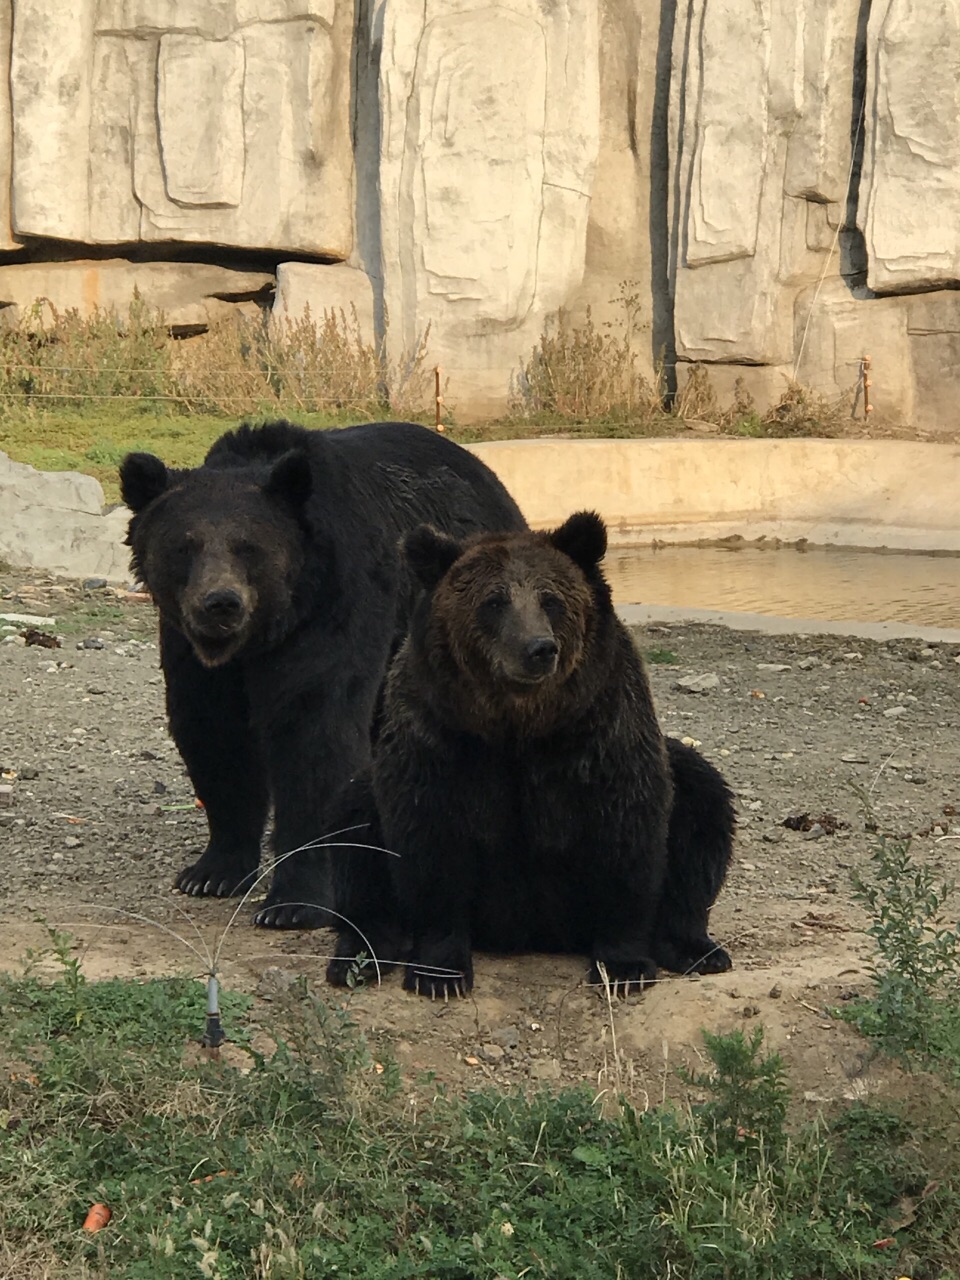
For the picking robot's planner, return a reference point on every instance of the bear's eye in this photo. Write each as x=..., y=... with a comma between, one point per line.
x=490, y=610
x=552, y=606
x=246, y=550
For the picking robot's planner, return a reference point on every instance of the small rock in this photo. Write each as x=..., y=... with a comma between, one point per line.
x=19, y=640
x=94, y=584
x=72, y=842
x=815, y=832
x=748, y=866
x=852, y=757
x=28, y=773
x=90, y=642
x=275, y=981
x=928, y=653
x=492, y=1052
x=893, y=712
x=546, y=1069
x=808, y=664
x=772, y=837
x=509, y=1037
x=919, y=779
x=698, y=684
x=852, y=657
x=775, y=992
x=751, y=1010
x=28, y=619
x=691, y=742
x=96, y=689
x=773, y=666
x=6, y=795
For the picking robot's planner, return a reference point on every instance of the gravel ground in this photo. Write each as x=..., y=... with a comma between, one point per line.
x=97, y=816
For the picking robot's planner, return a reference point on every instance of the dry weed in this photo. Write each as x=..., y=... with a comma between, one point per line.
x=239, y=366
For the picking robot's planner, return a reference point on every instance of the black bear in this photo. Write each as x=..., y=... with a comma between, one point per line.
x=282, y=597
x=521, y=777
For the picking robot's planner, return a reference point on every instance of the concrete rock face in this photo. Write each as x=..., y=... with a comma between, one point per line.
x=911, y=182
x=758, y=96
x=189, y=294
x=224, y=122
x=774, y=184
x=490, y=133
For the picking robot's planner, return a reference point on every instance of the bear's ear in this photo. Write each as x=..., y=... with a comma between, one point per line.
x=143, y=477
x=429, y=553
x=583, y=537
x=290, y=479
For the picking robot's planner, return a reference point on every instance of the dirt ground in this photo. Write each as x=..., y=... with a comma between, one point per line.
x=98, y=816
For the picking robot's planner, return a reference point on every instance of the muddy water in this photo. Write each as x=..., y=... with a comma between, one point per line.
x=860, y=586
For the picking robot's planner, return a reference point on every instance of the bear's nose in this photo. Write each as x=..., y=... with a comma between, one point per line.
x=223, y=605
x=541, y=651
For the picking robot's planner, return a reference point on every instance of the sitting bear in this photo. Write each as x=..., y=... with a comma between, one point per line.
x=521, y=778
x=282, y=598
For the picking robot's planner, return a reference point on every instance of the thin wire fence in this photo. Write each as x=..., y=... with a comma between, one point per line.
x=241, y=365
x=578, y=374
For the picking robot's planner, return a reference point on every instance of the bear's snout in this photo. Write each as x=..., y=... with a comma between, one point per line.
x=540, y=656
x=224, y=608
x=217, y=619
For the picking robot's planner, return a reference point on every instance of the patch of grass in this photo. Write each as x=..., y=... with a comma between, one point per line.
x=663, y=657
x=312, y=1161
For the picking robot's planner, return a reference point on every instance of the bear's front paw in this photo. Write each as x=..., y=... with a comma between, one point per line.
x=621, y=975
x=440, y=969
x=428, y=982
x=693, y=955
x=218, y=874
x=364, y=957
x=276, y=914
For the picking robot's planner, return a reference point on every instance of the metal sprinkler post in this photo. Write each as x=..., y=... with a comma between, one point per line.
x=213, y=1035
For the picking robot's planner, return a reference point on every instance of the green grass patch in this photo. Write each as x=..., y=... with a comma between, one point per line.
x=913, y=1012
x=661, y=657
x=312, y=1162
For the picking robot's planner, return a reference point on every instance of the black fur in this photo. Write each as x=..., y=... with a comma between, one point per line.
x=699, y=848
x=282, y=597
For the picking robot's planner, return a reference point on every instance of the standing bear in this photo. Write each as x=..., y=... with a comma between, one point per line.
x=281, y=593
x=522, y=780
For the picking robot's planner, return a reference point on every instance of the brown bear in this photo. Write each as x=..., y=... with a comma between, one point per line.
x=523, y=781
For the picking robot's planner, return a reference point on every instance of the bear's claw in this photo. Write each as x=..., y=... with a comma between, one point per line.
x=623, y=977
x=291, y=915
x=433, y=984
x=215, y=877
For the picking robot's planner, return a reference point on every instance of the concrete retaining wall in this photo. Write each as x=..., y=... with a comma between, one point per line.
x=849, y=493
x=862, y=493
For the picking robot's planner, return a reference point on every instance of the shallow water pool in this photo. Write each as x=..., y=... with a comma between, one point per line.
x=862, y=586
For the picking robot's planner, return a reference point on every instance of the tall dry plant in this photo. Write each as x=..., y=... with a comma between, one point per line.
x=589, y=371
x=243, y=365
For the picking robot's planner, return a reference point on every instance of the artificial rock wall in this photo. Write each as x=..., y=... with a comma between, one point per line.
x=778, y=181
